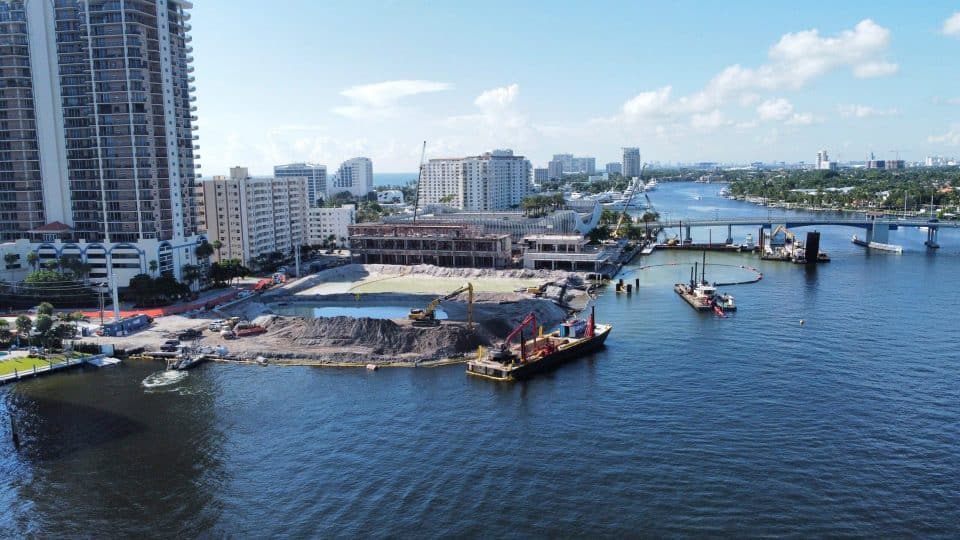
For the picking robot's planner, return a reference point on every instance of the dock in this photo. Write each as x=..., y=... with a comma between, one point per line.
x=36, y=371
x=726, y=248
x=687, y=294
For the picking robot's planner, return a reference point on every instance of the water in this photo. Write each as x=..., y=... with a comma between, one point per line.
x=393, y=179
x=754, y=425
x=379, y=311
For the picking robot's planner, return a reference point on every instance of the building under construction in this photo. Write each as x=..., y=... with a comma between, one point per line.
x=453, y=245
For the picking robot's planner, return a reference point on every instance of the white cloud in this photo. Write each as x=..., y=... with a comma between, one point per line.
x=708, y=121
x=950, y=138
x=795, y=60
x=647, y=103
x=801, y=119
x=951, y=26
x=864, y=111
x=381, y=99
x=497, y=97
x=774, y=109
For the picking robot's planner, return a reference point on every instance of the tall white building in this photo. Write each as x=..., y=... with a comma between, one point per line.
x=496, y=180
x=572, y=165
x=631, y=162
x=331, y=223
x=254, y=216
x=824, y=163
x=315, y=174
x=614, y=167
x=354, y=175
x=98, y=140
x=540, y=175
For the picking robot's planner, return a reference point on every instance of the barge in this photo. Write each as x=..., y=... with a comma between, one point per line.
x=702, y=296
x=575, y=338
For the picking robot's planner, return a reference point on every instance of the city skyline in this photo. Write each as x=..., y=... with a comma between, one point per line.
x=733, y=84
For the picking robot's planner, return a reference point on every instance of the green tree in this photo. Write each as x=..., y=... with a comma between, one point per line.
x=45, y=308
x=24, y=324
x=33, y=259
x=191, y=273
x=217, y=244
x=10, y=259
x=204, y=250
x=599, y=234
x=43, y=324
x=5, y=333
x=153, y=265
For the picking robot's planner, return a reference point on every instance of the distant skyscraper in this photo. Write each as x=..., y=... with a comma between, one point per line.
x=573, y=165
x=614, y=168
x=555, y=170
x=496, y=180
x=315, y=174
x=824, y=163
x=631, y=162
x=354, y=175
x=540, y=175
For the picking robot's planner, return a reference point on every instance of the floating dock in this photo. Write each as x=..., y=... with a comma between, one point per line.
x=726, y=248
x=687, y=294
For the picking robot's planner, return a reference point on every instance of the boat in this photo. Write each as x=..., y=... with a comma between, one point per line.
x=703, y=296
x=574, y=339
x=893, y=248
x=186, y=359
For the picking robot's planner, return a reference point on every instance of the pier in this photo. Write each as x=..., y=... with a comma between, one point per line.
x=51, y=366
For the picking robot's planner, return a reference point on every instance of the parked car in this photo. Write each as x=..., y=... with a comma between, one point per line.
x=215, y=326
x=226, y=333
x=170, y=345
x=189, y=334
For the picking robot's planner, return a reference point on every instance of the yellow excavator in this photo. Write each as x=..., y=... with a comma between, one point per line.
x=428, y=316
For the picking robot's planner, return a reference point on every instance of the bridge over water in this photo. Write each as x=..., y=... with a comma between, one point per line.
x=877, y=230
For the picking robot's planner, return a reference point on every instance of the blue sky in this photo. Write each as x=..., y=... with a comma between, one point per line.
x=684, y=81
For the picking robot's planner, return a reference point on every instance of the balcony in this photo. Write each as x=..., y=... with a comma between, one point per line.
x=191, y=79
x=193, y=118
x=193, y=108
x=188, y=38
x=196, y=147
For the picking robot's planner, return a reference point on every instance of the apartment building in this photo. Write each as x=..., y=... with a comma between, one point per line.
x=496, y=180
x=98, y=133
x=355, y=176
x=324, y=224
x=253, y=216
x=315, y=174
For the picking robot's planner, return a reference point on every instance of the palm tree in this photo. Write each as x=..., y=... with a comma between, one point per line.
x=24, y=324
x=191, y=273
x=153, y=265
x=217, y=245
x=32, y=259
x=4, y=330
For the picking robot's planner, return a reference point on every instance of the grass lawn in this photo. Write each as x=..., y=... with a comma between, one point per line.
x=21, y=364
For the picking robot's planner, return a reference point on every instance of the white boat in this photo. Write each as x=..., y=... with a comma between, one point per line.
x=650, y=186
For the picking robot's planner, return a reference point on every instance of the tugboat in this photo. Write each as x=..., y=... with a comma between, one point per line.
x=574, y=338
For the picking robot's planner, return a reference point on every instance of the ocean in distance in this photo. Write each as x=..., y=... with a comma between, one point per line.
x=686, y=424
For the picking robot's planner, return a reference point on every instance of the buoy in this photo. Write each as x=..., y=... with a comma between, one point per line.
x=801, y=322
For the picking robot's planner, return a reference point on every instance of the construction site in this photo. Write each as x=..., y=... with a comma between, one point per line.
x=375, y=315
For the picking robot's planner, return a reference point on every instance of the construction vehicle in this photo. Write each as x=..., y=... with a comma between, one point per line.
x=633, y=191
x=428, y=316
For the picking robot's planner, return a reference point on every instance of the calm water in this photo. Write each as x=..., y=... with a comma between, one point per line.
x=686, y=424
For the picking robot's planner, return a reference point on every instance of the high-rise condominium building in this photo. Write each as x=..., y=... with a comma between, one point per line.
x=354, y=175
x=614, y=167
x=254, y=216
x=96, y=139
x=496, y=180
x=574, y=165
x=540, y=175
x=555, y=170
x=315, y=174
x=631, y=162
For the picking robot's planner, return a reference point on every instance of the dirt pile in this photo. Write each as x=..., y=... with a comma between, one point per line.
x=381, y=339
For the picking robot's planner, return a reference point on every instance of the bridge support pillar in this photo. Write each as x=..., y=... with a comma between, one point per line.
x=729, y=234
x=879, y=232
x=932, y=238
x=686, y=234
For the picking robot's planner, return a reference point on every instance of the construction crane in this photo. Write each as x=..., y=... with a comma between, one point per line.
x=416, y=199
x=633, y=190
x=428, y=315
x=504, y=351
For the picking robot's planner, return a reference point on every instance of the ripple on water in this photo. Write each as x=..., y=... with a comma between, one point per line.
x=161, y=381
